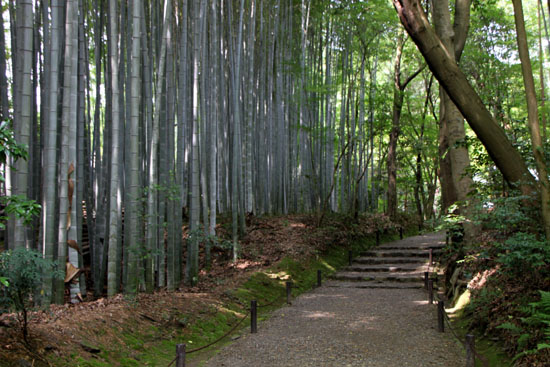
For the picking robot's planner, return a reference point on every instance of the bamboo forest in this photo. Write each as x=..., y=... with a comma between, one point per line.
x=168, y=165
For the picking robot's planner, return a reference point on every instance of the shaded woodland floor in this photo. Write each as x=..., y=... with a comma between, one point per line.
x=102, y=331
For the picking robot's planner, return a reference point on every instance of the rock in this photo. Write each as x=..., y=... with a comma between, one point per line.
x=89, y=348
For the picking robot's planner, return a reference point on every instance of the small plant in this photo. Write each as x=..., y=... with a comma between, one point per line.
x=453, y=223
x=21, y=271
x=536, y=322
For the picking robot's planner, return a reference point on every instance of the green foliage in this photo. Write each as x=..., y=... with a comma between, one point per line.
x=506, y=214
x=533, y=333
x=522, y=253
x=21, y=207
x=214, y=241
x=481, y=306
x=8, y=145
x=453, y=223
x=17, y=205
x=22, y=271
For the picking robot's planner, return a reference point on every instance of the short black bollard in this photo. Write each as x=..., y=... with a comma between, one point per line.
x=319, y=274
x=180, y=355
x=441, y=317
x=426, y=277
x=400, y=233
x=377, y=237
x=350, y=257
x=431, y=256
x=470, y=350
x=447, y=238
x=253, y=316
x=288, y=292
x=431, y=291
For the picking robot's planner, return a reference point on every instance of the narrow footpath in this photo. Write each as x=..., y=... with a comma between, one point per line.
x=373, y=313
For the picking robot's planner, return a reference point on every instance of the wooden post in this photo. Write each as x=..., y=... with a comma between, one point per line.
x=441, y=317
x=377, y=237
x=350, y=257
x=426, y=277
x=319, y=278
x=470, y=351
x=431, y=291
x=253, y=316
x=288, y=292
x=180, y=355
x=400, y=233
x=447, y=237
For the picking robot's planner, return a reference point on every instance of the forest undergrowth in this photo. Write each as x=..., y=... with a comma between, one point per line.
x=500, y=283
x=144, y=330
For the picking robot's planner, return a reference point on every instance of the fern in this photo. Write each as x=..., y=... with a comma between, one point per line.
x=511, y=327
x=538, y=317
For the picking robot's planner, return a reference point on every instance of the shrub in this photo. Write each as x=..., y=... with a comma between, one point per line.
x=523, y=252
x=22, y=271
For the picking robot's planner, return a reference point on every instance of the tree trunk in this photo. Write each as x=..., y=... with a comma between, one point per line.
x=23, y=117
x=532, y=113
x=453, y=135
x=500, y=149
x=132, y=218
x=192, y=265
x=116, y=158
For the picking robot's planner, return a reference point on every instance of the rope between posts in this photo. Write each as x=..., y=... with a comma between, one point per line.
x=453, y=332
x=217, y=340
x=230, y=331
x=272, y=302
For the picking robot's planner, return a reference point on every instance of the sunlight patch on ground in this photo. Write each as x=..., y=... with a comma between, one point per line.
x=364, y=323
x=327, y=265
x=245, y=264
x=282, y=275
x=420, y=302
x=314, y=296
x=462, y=302
x=320, y=315
x=227, y=310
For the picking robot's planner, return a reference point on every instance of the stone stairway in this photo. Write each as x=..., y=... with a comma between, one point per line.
x=395, y=265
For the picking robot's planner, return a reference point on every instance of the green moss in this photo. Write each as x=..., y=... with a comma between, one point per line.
x=490, y=350
x=156, y=346
x=129, y=362
x=133, y=341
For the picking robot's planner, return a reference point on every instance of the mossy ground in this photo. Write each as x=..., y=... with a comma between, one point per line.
x=490, y=350
x=142, y=344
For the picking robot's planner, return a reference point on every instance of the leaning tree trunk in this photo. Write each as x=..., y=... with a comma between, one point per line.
x=445, y=69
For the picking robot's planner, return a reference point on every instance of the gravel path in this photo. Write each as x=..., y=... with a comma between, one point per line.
x=346, y=326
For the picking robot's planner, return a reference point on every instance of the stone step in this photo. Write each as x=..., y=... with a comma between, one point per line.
x=379, y=276
x=389, y=260
x=375, y=285
x=397, y=253
x=387, y=268
x=436, y=249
